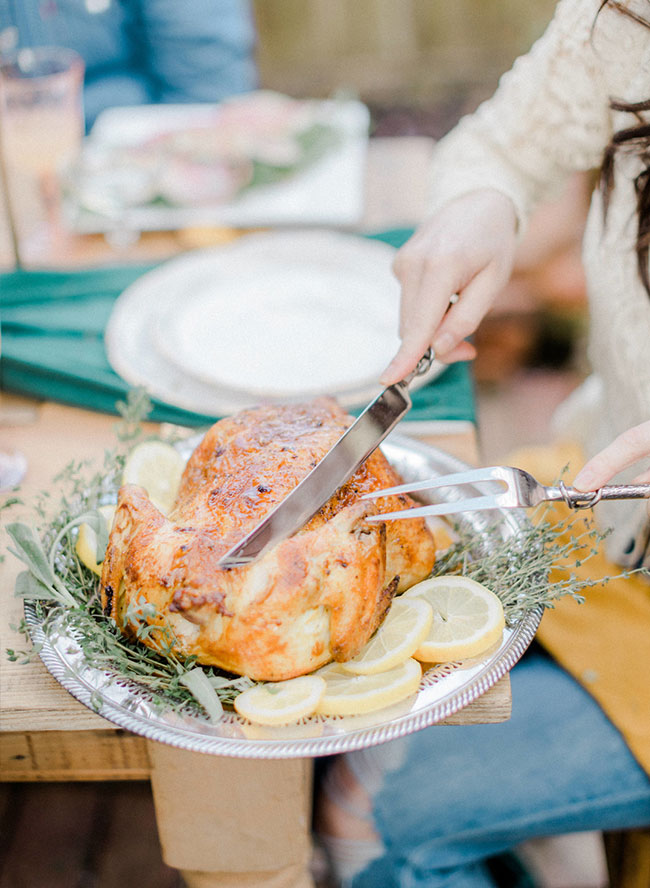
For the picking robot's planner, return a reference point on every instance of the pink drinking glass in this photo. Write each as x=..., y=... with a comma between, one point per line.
x=41, y=132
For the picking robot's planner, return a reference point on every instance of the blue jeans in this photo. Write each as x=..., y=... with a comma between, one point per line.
x=461, y=794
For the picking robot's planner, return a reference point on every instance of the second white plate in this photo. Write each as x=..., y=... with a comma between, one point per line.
x=275, y=316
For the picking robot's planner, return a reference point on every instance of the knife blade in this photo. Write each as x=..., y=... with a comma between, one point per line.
x=356, y=444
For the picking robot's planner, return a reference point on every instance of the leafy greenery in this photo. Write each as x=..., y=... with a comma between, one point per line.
x=531, y=567
x=66, y=596
x=313, y=143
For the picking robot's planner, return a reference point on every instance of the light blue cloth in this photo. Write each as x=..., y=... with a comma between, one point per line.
x=143, y=51
x=458, y=795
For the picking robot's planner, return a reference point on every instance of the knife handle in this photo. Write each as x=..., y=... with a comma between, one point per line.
x=421, y=368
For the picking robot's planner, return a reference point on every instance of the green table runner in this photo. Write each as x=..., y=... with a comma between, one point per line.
x=53, y=345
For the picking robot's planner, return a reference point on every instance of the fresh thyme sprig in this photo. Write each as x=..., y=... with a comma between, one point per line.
x=66, y=597
x=528, y=568
x=132, y=411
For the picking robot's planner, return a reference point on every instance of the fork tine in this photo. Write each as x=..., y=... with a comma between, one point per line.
x=470, y=477
x=466, y=505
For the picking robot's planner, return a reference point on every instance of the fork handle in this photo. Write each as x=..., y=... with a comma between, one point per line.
x=580, y=499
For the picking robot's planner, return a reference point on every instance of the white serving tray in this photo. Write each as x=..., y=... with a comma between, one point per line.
x=329, y=192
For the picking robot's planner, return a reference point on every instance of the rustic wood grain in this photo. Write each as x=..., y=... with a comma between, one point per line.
x=493, y=706
x=106, y=754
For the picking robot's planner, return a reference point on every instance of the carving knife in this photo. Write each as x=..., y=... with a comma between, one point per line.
x=353, y=447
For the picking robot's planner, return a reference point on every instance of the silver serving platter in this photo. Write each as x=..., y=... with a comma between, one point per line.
x=443, y=691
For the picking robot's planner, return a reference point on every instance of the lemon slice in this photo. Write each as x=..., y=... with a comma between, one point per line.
x=443, y=535
x=281, y=702
x=86, y=545
x=467, y=618
x=157, y=467
x=347, y=694
x=399, y=636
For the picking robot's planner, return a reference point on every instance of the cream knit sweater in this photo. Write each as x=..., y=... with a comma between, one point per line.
x=550, y=117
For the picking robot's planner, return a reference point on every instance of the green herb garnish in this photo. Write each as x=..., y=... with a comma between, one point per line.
x=517, y=569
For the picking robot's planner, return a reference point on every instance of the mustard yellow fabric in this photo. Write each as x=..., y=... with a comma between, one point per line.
x=604, y=642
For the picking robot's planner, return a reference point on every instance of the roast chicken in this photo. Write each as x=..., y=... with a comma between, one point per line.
x=316, y=596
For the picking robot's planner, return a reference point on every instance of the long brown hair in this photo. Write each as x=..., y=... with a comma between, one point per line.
x=633, y=139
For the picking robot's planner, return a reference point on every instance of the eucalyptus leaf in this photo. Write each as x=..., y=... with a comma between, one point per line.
x=29, y=550
x=29, y=587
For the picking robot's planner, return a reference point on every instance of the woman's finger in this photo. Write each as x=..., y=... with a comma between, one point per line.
x=423, y=304
x=403, y=363
x=464, y=317
x=464, y=351
x=624, y=451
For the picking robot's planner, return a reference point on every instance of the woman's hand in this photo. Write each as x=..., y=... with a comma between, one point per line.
x=624, y=451
x=467, y=248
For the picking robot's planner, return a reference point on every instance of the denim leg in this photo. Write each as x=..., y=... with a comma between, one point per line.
x=461, y=794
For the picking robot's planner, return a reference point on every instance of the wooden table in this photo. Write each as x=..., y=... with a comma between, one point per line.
x=45, y=734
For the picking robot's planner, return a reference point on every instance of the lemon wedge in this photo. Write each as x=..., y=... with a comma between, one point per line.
x=86, y=545
x=406, y=626
x=281, y=702
x=347, y=694
x=467, y=618
x=157, y=467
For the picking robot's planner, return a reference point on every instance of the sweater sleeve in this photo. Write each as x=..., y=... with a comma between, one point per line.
x=548, y=118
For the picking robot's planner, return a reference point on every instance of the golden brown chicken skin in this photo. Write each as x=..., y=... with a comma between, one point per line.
x=316, y=596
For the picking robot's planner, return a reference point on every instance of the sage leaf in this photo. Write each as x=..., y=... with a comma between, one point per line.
x=29, y=587
x=29, y=550
x=99, y=525
x=198, y=684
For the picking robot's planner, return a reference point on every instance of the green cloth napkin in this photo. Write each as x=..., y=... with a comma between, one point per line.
x=53, y=345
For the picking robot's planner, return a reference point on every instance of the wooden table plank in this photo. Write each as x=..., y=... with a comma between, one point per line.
x=106, y=754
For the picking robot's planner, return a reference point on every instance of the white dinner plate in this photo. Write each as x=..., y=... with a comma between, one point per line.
x=273, y=317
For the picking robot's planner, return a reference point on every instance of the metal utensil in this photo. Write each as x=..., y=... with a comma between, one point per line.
x=357, y=443
x=518, y=490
